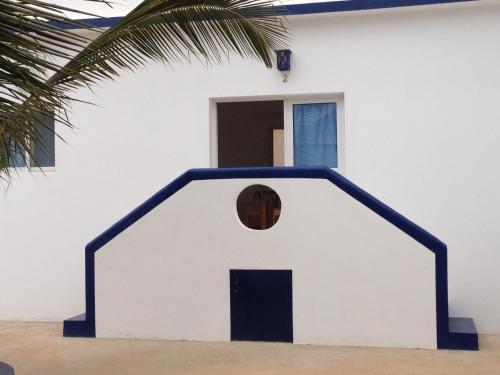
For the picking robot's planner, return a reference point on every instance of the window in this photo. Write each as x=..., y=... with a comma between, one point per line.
x=315, y=135
x=43, y=153
x=259, y=207
x=303, y=131
x=18, y=160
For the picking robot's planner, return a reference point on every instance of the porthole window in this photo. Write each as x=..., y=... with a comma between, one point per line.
x=259, y=207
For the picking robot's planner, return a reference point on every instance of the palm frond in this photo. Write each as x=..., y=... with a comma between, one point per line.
x=35, y=44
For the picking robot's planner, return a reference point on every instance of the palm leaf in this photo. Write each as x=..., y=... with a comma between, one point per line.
x=33, y=33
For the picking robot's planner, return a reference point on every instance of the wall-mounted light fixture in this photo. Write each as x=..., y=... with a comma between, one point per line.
x=283, y=59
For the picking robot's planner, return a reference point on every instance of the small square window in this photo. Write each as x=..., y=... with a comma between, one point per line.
x=43, y=152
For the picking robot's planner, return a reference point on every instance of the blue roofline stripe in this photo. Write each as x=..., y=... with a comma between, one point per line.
x=407, y=226
x=298, y=9
x=356, y=5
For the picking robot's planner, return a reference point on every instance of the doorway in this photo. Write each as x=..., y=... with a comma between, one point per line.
x=261, y=305
x=250, y=134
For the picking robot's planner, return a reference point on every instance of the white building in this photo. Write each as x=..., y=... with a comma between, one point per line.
x=413, y=92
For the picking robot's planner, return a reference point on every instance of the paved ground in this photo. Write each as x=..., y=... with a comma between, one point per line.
x=39, y=349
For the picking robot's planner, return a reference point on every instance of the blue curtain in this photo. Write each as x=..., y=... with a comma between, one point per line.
x=315, y=135
x=18, y=159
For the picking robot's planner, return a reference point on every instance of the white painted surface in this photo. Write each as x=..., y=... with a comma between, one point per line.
x=357, y=279
x=420, y=88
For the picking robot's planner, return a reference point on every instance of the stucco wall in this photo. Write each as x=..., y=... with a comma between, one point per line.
x=420, y=89
x=357, y=279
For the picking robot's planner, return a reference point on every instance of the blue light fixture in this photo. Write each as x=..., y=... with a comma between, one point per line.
x=283, y=59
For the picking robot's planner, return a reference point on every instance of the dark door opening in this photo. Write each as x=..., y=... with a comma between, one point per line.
x=250, y=134
x=261, y=305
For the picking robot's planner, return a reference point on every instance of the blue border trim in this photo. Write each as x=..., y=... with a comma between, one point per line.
x=84, y=325
x=298, y=9
x=356, y=5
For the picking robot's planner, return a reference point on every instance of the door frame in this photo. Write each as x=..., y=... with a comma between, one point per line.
x=288, y=101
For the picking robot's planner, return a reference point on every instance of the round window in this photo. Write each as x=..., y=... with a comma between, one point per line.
x=259, y=207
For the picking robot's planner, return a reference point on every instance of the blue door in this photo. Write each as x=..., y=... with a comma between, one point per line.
x=261, y=305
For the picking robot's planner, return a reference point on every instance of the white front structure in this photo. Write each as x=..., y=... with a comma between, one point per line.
x=357, y=279
x=416, y=90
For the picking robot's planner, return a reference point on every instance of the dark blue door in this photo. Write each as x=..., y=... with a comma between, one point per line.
x=261, y=305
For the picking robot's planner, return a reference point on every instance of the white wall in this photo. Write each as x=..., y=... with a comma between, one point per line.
x=422, y=133
x=167, y=276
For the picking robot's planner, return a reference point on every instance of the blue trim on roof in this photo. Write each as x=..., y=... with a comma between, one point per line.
x=298, y=9
x=84, y=325
x=355, y=5
x=92, y=22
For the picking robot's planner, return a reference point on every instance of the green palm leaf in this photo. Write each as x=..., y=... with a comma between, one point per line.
x=34, y=36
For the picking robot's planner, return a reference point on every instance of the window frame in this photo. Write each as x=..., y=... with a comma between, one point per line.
x=30, y=166
x=289, y=131
x=288, y=101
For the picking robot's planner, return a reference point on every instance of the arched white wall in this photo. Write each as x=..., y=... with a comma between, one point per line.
x=357, y=279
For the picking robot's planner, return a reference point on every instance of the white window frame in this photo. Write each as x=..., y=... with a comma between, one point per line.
x=288, y=102
x=32, y=168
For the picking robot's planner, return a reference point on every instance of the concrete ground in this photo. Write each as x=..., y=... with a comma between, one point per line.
x=39, y=349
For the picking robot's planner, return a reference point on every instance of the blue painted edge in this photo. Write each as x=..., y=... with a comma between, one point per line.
x=463, y=334
x=445, y=338
x=297, y=9
x=357, y=5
